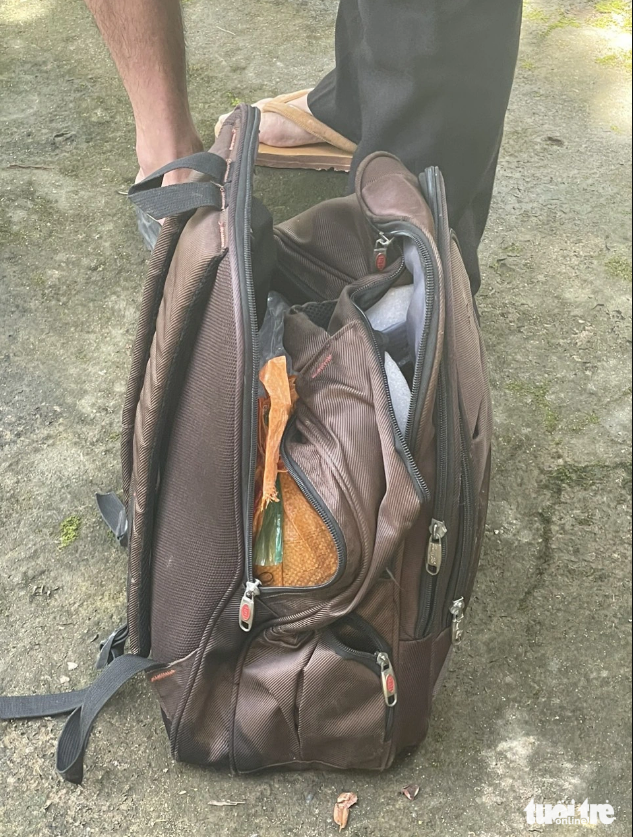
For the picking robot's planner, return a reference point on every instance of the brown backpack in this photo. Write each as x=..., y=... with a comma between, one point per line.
x=250, y=671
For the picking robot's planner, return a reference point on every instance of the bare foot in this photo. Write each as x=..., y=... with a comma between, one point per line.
x=280, y=132
x=176, y=176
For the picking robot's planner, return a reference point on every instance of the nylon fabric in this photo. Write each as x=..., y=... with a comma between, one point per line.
x=159, y=265
x=332, y=674
x=325, y=247
x=180, y=306
x=296, y=701
x=198, y=516
x=283, y=680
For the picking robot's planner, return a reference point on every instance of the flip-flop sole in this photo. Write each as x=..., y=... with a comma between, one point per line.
x=319, y=157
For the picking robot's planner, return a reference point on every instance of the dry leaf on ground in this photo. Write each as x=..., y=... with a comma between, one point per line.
x=411, y=791
x=341, y=809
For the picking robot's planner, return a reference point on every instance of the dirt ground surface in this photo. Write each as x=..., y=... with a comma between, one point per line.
x=537, y=703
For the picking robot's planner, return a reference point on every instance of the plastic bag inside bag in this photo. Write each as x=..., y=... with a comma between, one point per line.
x=271, y=334
x=399, y=317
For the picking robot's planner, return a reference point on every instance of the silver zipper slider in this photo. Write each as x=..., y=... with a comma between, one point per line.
x=438, y=532
x=388, y=679
x=247, y=605
x=457, y=610
x=380, y=251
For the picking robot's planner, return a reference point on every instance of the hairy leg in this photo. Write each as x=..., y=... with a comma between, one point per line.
x=146, y=41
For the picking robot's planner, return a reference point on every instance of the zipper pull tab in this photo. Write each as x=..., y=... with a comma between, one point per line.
x=380, y=251
x=438, y=532
x=247, y=605
x=388, y=679
x=457, y=610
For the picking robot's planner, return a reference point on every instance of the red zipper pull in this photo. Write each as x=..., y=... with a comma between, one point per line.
x=247, y=604
x=388, y=679
x=380, y=251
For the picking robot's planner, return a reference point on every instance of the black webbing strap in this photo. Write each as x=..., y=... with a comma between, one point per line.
x=40, y=706
x=114, y=514
x=113, y=647
x=62, y=703
x=160, y=201
x=73, y=741
x=83, y=705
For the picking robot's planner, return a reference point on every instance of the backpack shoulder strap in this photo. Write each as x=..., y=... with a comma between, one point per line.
x=40, y=706
x=74, y=738
x=84, y=707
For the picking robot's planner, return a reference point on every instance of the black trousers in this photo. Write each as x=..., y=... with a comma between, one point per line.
x=429, y=81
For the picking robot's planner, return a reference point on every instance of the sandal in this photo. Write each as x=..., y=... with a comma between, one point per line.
x=334, y=152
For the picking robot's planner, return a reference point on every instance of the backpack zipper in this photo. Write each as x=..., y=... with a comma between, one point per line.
x=251, y=388
x=381, y=246
x=388, y=232
x=461, y=570
x=379, y=662
x=438, y=544
x=437, y=547
x=400, y=438
x=436, y=550
x=253, y=586
x=315, y=500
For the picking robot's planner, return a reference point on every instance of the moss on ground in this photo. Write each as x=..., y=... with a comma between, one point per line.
x=587, y=476
x=619, y=268
x=538, y=394
x=577, y=425
x=622, y=59
x=612, y=14
x=551, y=22
x=69, y=530
x=606, y=14
x=535, y=15
x=562, y=21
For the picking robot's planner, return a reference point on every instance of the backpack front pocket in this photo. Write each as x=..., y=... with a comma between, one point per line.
x=343, y=451
x=315, y=699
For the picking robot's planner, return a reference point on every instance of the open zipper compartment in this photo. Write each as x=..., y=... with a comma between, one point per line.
x=378, y=660
x=253, y=587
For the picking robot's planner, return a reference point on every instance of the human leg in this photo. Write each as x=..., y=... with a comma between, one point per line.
x=146, y=41
x=429, y=81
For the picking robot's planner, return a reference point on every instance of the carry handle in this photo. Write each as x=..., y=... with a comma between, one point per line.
x=160, y=201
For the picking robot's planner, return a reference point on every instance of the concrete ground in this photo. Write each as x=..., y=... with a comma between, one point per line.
x=538, y=700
